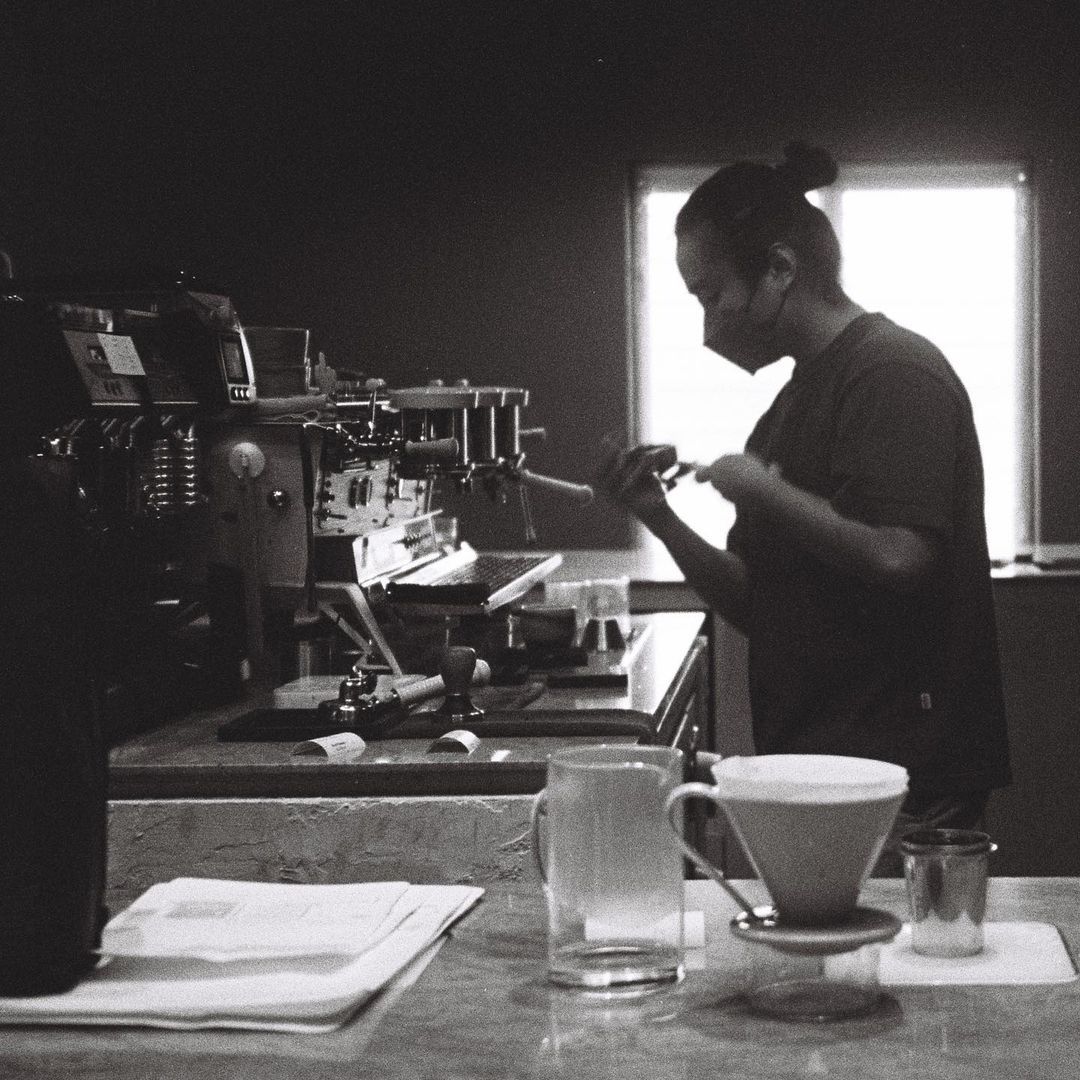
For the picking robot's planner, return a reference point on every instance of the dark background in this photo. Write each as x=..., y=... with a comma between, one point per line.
x=442, y=189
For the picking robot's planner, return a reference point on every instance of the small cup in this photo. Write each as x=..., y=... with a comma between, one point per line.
x=946, y=871
x=609, y=598
x=607, y=614
x=568, y=594
x=612, y=877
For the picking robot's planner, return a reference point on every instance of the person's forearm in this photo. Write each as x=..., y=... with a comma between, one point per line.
x=896, y=558
x=719, y=577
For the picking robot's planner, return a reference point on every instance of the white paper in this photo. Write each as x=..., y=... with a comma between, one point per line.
x=120, y=354
x=199, y=919
x=286, y=989
x=344, y=746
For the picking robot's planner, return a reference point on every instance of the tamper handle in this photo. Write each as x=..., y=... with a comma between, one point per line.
x=413, y=692
x=458, y=665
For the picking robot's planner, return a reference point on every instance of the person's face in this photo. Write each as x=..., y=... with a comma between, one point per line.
x=733, y=324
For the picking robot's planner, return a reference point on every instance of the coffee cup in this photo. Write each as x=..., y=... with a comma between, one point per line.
x=812, y=825
x=607, y=606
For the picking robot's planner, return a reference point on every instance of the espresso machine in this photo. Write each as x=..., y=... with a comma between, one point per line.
x=102, y=386
x=172, y=538
x=242, y=539
x=326, y=507
x=106, y=383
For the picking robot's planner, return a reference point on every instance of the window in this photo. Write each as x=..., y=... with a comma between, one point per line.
x=944, y=251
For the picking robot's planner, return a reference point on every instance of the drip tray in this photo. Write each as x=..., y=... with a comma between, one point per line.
x=292, y=725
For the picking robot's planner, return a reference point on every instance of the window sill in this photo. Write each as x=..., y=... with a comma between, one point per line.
x=1029, y=571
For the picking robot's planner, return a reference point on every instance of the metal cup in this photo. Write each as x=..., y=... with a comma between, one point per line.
x=946, y=871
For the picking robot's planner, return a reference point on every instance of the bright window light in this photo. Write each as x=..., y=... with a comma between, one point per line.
x=945, y=259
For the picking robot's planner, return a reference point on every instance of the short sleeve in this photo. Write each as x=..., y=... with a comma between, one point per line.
x=895, y=450
x=759, y=443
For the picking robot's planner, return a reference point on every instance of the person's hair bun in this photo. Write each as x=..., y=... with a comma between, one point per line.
x=806, y=167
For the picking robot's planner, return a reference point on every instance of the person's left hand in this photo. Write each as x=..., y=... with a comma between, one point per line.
x=628, y=477
x=736, y=476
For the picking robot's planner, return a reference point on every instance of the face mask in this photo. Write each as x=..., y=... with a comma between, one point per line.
x=747, y=342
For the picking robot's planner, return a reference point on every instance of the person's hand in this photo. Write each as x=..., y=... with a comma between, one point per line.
x=628, y=478
x=736, y=476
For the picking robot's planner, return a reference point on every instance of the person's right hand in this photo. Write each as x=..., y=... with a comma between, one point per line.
x=627, y=476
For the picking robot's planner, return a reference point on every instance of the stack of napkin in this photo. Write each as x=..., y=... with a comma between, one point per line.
x=207, y=953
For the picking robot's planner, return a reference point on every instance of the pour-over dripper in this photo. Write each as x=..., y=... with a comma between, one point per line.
x=812, y=825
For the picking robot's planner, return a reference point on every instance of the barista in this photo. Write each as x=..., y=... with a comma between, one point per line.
x=857, y=565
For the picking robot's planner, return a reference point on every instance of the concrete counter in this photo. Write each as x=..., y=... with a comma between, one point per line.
x=182, y=803
x=483, y=1009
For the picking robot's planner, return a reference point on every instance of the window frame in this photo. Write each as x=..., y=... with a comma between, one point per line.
x=646, y=178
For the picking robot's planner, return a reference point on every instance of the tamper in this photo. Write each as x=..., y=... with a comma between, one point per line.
x=458, y=664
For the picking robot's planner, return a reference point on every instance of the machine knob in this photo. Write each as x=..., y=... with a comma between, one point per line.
x=246, y=460
x=277, y=499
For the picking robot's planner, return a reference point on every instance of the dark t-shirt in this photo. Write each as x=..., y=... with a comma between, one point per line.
x=879, y=425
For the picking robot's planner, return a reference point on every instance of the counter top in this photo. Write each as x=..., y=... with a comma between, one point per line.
x=657, y=583
x=482, y=1008
x=186, y=759
x=184, y=804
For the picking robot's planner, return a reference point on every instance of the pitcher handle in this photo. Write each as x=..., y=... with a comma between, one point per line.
x=539, y=808
x=672, y=808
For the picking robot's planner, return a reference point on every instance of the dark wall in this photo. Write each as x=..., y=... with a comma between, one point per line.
x=1036, y=821
x=440, y=190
